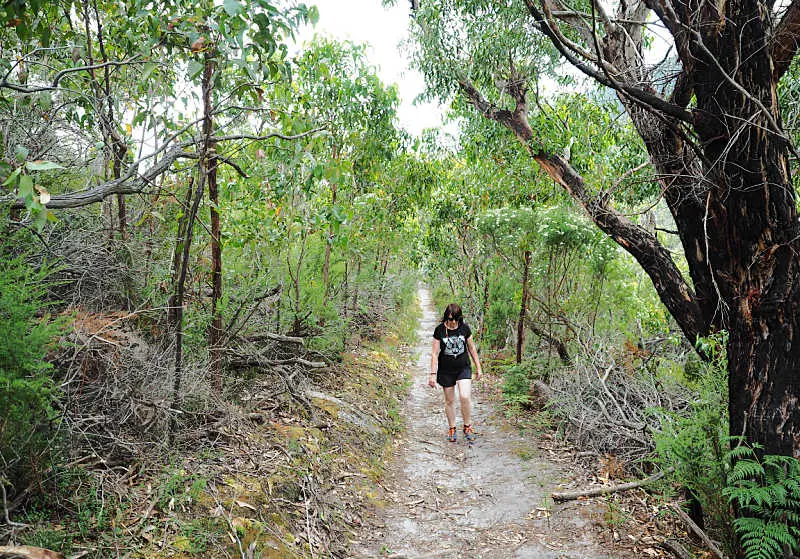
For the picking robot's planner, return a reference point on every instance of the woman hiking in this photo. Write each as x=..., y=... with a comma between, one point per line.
x=450, y=367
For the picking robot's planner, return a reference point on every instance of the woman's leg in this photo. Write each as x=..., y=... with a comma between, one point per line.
x=465, y=399
x=450, y=405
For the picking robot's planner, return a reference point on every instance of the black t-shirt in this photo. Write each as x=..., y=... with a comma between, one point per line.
x=453, y=356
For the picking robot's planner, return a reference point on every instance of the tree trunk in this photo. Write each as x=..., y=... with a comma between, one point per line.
x=355, y=287
x=485, y=305
x=105, y=108
x=752, y=227
x=328, y=240
x=523, y=307
x=561, y=347
x=175, y=312
x=345, y=289
x=209, y=167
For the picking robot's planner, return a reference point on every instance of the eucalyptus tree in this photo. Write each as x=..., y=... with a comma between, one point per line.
x=334, y=201
x=337, y=86
x=221, y=56
x=710, y=120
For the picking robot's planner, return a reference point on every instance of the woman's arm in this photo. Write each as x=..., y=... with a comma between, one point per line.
x=474, y=354
x=434, y=363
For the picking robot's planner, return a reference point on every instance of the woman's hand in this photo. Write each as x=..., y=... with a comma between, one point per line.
x=432, y=380
x=478, y=374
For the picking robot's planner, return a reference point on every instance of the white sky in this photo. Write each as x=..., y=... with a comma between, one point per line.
x=366, y=21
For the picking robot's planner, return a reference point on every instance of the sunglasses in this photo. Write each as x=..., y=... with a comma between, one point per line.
x=451, y=319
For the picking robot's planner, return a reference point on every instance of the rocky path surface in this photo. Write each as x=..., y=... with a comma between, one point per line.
x=490, y=499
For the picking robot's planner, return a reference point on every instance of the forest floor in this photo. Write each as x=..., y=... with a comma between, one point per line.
x=353, y=462
x=490, y=498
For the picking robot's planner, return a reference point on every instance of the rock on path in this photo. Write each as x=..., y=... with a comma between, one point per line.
x=490, y=499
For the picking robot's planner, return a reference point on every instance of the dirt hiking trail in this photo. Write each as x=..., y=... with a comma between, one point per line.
x=490, y=499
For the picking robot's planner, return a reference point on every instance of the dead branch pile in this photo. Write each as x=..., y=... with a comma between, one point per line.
x=118, y=389
x=610, y=409
x=93, y=270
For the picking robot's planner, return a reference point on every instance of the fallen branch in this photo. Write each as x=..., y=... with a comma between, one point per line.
x=572, y=495
x=676, y=549
x=282, y=338
x=697, y=531
x=245, y=362
x=300, y=361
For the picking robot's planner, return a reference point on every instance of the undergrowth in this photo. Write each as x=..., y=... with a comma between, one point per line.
x=765, y=492
x=283, y=473
x=29, y=420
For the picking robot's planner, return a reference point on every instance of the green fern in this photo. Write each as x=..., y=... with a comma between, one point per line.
x=766, y=493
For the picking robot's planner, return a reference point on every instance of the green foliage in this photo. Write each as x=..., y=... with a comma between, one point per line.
x=27, y=331
x=765, y=491
x=179, y=487
x=200, y=533
x=457, y=44
x=517, y=380
x=49, y=538
x=695, y=442
x=517, y=386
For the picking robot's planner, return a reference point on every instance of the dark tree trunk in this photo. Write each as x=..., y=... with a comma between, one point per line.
x=523, y=307
x=209, y=167
x=485, y=304
x=355, y=287
x=561, y=347
x=752, y=225
x=175, y=312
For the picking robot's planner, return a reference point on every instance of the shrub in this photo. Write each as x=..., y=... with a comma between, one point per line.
x=27, y=331
x=695, y=442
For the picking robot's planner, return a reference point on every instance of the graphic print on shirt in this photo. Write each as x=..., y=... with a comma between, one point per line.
x=454, y=345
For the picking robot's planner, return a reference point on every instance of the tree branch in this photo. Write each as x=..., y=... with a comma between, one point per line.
x=605, y=490
x=697, y=531
x=5, y=84
x=133, y=183
x=785, y=40
x=639, y=95
x=654, y=258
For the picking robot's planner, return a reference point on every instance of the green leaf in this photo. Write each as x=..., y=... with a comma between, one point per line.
x=233, y=7
x=147, y=70
x=195, y=69
x=41, y=219
x=40, y=165
x=12, y=177
x=313, y=15
x=25, y=186
x=21, y=153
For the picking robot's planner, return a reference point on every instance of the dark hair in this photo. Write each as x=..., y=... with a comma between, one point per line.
x=453, y=310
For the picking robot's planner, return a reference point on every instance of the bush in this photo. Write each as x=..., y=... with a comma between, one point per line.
x=27, y=331
x=695, y=441
x=518, y=394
